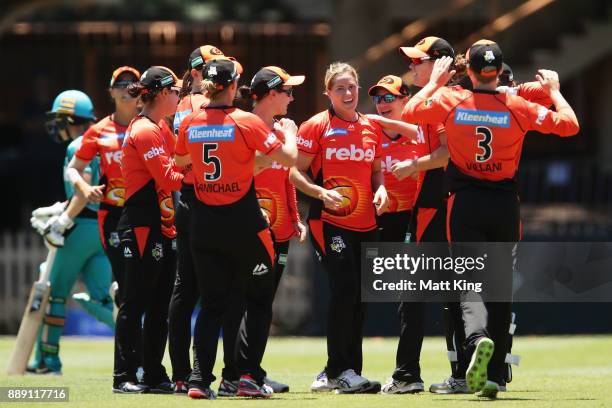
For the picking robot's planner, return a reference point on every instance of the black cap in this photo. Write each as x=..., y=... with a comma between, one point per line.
x=432, y=47
x=272, y=77
x=114, y=83
x=203, y=54
x=506, y=78
x=220, y=71
x=158, y=77
x=485, y=58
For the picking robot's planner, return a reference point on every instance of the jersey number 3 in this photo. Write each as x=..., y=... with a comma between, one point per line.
x=484, y=143
x=213, y=160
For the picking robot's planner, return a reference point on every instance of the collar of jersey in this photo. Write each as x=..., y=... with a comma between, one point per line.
x=333, y=113
x=485, y=91
x=219, y=107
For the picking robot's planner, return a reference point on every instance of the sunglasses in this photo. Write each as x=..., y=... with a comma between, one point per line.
x=386, y=98
x=418, y=61
x=175, y=89
x=289, y=91
x=122, y=84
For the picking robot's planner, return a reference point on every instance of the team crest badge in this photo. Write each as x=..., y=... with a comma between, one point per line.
x=113, y=239
x=158, y=251
x=489, y=56
x=337, y=244
x=428, y=102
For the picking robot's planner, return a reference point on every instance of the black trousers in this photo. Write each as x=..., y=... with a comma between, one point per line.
x=185, y=293
x=107, y=223
x=393, y=227
x=226, y=265
x=429, y=225
x=346, y=314
x=150, y=264
x=257, y=318
x=486, y=215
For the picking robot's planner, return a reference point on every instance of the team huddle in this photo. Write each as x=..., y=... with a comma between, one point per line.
x=186, y=193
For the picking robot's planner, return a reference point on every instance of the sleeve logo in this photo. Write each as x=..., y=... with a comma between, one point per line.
x=542, y=112
x=300, y=141
x=270, y=140
x=155, y=151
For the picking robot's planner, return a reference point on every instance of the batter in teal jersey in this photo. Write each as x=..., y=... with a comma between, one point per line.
x=72, y=228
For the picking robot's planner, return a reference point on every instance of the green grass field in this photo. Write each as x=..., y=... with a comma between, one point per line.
x=572, y=371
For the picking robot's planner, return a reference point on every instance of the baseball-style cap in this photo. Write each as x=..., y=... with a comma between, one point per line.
x=271, y=77
x=205, y=53
x=432, y=47
x=124, y=83
x=158, y=77
x=220, y=71
x=485, y=58
x=506, y=77
x=392, y=84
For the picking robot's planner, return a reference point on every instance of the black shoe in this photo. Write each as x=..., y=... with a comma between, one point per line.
x=129, y=387
x=164, y=387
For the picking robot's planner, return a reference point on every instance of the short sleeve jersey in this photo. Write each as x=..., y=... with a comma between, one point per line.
x=485, y=129
x=430, y=185
x=531, y=91
x=105, y=139
x=93, y=168
x=346, y=151
x=222, y=142
x=401, y=193
x=276, y=196
x=187, y=105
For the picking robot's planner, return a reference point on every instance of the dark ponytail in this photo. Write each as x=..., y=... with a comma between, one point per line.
x=137, y=89
x=461, y=77
x=244, y=98
x=187, y=84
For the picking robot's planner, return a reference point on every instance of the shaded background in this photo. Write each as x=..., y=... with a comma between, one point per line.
x=48, y=46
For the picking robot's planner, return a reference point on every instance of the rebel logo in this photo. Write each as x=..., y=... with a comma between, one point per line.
x=352, y=153
x=300, y=141
x=113, y=157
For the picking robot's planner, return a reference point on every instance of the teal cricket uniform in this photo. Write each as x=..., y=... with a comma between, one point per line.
x=82, y=255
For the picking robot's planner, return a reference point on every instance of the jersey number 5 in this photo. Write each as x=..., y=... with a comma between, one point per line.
x=208, y=158
x=484, y=143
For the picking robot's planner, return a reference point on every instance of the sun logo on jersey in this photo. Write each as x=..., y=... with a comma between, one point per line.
x=267, y=203
x=348, y=191
x=115, y=192
x=166, y=209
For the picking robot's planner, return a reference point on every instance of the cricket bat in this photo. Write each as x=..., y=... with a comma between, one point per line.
x=32, y=318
